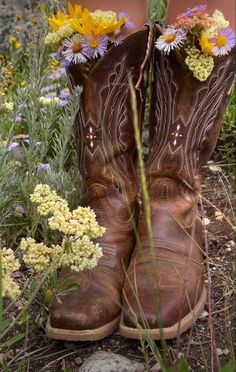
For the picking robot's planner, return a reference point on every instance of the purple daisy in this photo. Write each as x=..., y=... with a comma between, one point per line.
x=19, y=210
x=128, y=24
x=192, y=11
x=21, y=137
x=41, y=166
x=51, y=95
x=63, y=102
x=64, y=94
x=95, y=46
x=73, y=51
x=13, y=146
x=116, y=39
x=19, y=117
x=223, y=42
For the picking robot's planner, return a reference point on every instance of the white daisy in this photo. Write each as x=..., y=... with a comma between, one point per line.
x=171, y=38
x=73, y=50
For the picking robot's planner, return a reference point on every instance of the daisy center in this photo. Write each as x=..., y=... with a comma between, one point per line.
x=170, y=38
x=94, y=44
x=221, y=41
x=76, y=48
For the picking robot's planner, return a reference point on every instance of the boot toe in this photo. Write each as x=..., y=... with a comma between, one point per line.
x=76, y=311
x=161, y=300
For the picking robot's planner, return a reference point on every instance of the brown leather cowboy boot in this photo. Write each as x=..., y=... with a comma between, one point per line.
x=107, y=155
x=164, y=286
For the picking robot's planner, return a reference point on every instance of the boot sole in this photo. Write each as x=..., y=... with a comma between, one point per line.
x=170, y=332
x=85, y=335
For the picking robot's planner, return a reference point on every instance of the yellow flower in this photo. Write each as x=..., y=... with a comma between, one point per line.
x=87, y=25
x=14, y=42
x=206, y=45
x=12, y=39
x=58, y=21
x=75, y=11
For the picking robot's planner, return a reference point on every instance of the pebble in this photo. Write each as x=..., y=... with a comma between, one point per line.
x=102, y=361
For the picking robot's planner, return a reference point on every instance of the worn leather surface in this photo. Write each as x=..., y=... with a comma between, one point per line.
x=106, y=157
x=186, y=114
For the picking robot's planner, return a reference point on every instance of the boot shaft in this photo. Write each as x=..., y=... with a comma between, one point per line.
x=186, y=115
x=104, y=123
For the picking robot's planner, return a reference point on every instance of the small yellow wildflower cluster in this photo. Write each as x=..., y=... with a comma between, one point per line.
x=47, y=101
x=6, y=107
x=104, y=16
x=14, y=42
x=9, y=265
x=54, y=39
x=37, y=255
x=201, y=65
x=77, y=250
x=80, y=254
x=47, y=200
x=219, y=22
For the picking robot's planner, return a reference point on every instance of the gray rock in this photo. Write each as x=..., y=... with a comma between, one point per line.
x=109, y=362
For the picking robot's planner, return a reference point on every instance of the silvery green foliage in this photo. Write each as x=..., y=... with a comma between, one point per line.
x=9, y=9
x=52, y=128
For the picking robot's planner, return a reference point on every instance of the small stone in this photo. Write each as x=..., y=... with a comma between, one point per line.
x=226, y=351
x=215, y=168
x=219, y=351
x=231, y=244
x=207, y=221
x=78, y=361
x=228, y=249
x=204, y=314
x=102, y=361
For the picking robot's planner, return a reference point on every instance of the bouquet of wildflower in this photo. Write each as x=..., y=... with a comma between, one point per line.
x=82, y=36
x=202, y=38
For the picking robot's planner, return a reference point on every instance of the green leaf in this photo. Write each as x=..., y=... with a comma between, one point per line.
x=13, y=340
x=5, y=323
x=183, y=365
x=70, y=288
x=68, y=369
x=229, y=367
x=24, y=317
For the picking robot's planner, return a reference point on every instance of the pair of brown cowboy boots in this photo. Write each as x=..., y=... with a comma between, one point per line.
x=157, y=286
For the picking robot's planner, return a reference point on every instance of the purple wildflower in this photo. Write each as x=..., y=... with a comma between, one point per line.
x=128, y=24
x=19, y=117
x=63, y=102
x=51, y=95
x=223, y=42
x=64, y=93
x=13, y=146
x=192, y=11
x=95, y=46
x=19, y=210
x=41, y=166
x=21, y=137
x=74, y=50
